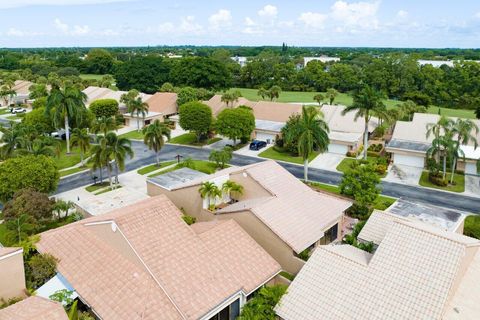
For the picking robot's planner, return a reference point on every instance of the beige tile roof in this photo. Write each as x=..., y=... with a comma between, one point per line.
x=34, y=308
x=163, y=102
x=216, y=104
x=185, y=271
x=345, y=123
x=94, y=93
x=295, y=212
x=22, y=87
x=275, y=111
x=7, y=250
x=378, y=225
x=410, y=276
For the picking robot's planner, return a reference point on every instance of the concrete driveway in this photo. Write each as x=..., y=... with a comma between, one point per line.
x=245, y=151
x=327, y=161
x=472, y=186
x=219, y=145
x=404, y=174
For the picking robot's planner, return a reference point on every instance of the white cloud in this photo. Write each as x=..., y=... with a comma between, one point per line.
x=4, y=4
x=14, y=32
x=402, y=14
x=188, y=25
x=313, y=20
x=74, y=31
x=249, y=22
x=221, y=19
x=356, y=14
x=268, y=11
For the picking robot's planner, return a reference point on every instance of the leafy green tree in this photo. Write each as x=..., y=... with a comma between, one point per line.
x=27, y=201
x=418, y=98
x=221, y=157
x=69, y=104
x=144, y=73
x=261, y=306
x=62, y=207
x=39, y=103
x=319, y=98
x=331, y=95
x=39, y=269
x=200, y=72
x=477, y=112
x=167, y=87
x=39, y=120
x=361, y=183
x=187, y=94
x=195, y=117
x=408, y=108
x=104, y=108
x=153, y=137
x=443, y=125
x=365, y=103
x=229, y=98
x=81, y=138
x=37, y=172
x=274, y=92
x=312, y=134
x=38, y=91
x=235, y=123
x=99, y=61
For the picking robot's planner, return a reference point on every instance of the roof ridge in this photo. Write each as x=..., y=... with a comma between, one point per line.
x=323, y=248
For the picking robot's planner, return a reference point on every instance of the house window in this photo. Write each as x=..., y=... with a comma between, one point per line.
x=147, y=122
x=230, y=312
x=330, y=235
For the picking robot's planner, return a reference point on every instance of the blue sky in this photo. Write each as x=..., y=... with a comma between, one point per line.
x=384, y=23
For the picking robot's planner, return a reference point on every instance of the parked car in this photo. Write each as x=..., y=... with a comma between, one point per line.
x=257, y=145
x=16, y=110
x=60, y=134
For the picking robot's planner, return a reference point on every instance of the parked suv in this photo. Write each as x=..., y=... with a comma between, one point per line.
x=257, y=145
x=16, y=110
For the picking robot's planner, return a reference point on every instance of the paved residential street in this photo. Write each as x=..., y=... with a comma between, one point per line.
x=144, y=157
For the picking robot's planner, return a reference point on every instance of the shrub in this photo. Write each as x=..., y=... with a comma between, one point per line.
x=104, y=108
x=380, y=169
x=189, y=219
x=437, y=180
x=39, y=269
x=472, y=226
x=304, y=255
x=261, y=306
x=358, y=211
x=279, y=143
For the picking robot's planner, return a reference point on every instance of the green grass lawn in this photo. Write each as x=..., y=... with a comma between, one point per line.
x=346, y=99
x=71, y=171
x=4, y=111
x=154, y=167
x=382, y=202
x=471, y=227
x=213, y=140
x=88, y=76
x=191, y=140
x=273, y=153
x=68, y=160
x=14, y=117
x=107, y=190
x=135, y=135
x=98, y=186
x=459, y=180
x=347, y=163
x=199, y=165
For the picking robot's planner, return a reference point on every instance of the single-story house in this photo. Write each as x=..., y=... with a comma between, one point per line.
x=22, y=94
x=416, y=272
x=217, y=105
x=144, y=261
x=409, y=144
x=12, y=278
x=34, y=307
x=280, y=212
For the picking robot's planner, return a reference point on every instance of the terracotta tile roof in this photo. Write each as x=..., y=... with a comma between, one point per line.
x=34, y=308
x=295, y=212
x=175, y=273
x=7, y=250
x=410, y=276
x=163, y=102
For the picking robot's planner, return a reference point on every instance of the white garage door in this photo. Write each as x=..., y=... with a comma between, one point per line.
x=411, y=161
x=268, y=138
x=471, y=168
x=338, y=148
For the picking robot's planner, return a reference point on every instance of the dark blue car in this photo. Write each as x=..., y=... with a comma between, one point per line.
x=257, y=145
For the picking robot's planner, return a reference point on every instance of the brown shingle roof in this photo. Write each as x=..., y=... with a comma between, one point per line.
x=163, y=102
x=176, y=273
x=34, y=308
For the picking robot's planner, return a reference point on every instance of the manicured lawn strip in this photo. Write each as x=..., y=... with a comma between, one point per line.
x=459, y=180
x=154, y=167
x=271, y=153
x=4, y=111
x=199, y=165
x=471, y=227
x=107, y=190
x=345, y=99
x=213, y=140
x=135, y=135
x=98, y=186
x=68, y=160
x=382, y=202
x=189, y=139
x=72, y=171
x=346, y=164
x=287, y=275
x=88, y=76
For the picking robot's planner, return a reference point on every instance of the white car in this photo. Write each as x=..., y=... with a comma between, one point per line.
x=18, y=110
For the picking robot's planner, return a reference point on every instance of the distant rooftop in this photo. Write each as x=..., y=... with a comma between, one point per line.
x=269, y=125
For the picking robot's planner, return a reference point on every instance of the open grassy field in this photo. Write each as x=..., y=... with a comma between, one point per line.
x=91, y=76
x=346, y=99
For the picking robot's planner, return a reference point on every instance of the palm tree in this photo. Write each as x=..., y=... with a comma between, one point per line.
x=98, y=158
x=62, y=206
x=38, y=91
x=138, y=107
x=409, y=108
x=442, y=146
x=117, y=149
x=69, y=103
x=104, y=125
x=7, y=93
x=81, y=138
x=230, y=188
x=274, y=92
x=313, y=134
x=153, y=137
x=11, y=139
x=331, y=95
x=365, y=104
x=319, y=98
x=230, y=97
x=20, y=227
x=262, y=92
x=210, y=191
x=466, y=131
x=442, y=125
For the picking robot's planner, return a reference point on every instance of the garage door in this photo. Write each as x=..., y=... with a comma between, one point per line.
x=268, y=138
x=338, y=148
x=471, y=168
x=412, y=161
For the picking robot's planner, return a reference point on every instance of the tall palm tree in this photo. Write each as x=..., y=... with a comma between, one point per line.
x=466, y=131
x=365, y=104
x=331, y=95
x=99, y=158
x=262, y=92
x=274, y=92
x=81, y=138
x=138, y=107
x=11, y=139
x=443, y=125
x=442, y=146
x=313, y=134
x=153, y=137
x=209, y=190
x=104, y=125
x=230, y=188
x=117, y=149
x=69, y=104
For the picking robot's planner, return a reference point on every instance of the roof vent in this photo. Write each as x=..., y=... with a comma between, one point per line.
x=114, y=226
